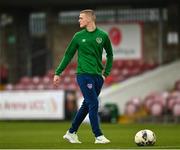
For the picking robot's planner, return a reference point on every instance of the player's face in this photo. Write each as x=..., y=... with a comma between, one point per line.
x=83, y=20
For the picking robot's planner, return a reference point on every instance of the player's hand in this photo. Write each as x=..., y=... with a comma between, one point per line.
x=103, y=77
x=56, y=80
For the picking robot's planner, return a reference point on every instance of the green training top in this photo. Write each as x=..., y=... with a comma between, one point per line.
x=90, y=47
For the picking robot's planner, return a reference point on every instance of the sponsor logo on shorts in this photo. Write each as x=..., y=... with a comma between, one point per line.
x=89, y=85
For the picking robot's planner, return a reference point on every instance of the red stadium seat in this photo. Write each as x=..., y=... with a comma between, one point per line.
x=46, y=80
x=19, y=86
x=36, y=80
x=176, y=110
x=71, y=86
x=158, y=97
x=129, y=64
x=50, y=87
x=172, y=99
x=125, y=72
x=40, y=87
x=130, y=109
x=156, y=109
x=118, y=64
x=115, y=72
x=25, y=80
x=134, y=71
x=50, y=73
x=170, y=103
x=9, y=87
x=30, y=87
x=136, y=101
x=72, y=72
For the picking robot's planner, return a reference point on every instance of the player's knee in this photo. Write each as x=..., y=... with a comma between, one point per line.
x=94, y=105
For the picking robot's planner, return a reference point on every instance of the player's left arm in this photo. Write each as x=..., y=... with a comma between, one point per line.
x=109, y=56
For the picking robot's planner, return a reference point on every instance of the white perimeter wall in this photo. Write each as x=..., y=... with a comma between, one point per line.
x=160, y=79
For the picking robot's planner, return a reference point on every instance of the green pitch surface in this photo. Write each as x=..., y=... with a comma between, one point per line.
x=48, y=135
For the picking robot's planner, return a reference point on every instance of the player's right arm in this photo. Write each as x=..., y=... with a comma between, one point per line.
x=70, y=51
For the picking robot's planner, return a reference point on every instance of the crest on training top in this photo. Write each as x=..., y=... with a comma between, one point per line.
x=99, y=40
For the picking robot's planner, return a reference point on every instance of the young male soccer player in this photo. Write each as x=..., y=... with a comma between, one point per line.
x=89, y=43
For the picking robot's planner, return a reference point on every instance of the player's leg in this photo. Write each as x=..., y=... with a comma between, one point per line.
x=90, y=97
x=94, y=103
x=83, y=111
x=71, y=135
x=98, y=86
x=81, y=114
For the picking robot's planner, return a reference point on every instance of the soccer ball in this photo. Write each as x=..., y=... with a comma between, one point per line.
x=145, y=138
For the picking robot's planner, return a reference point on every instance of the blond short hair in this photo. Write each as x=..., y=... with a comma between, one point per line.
x=90, y=13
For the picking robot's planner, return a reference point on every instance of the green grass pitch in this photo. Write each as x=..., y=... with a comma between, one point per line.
x=48, y=135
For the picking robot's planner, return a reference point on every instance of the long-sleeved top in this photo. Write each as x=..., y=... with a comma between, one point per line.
x=90, y=46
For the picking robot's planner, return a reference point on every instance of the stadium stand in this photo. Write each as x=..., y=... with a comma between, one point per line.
x=159, y=106
x=121, y=70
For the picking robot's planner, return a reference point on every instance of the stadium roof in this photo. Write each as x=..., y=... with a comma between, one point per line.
x=81, y=4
